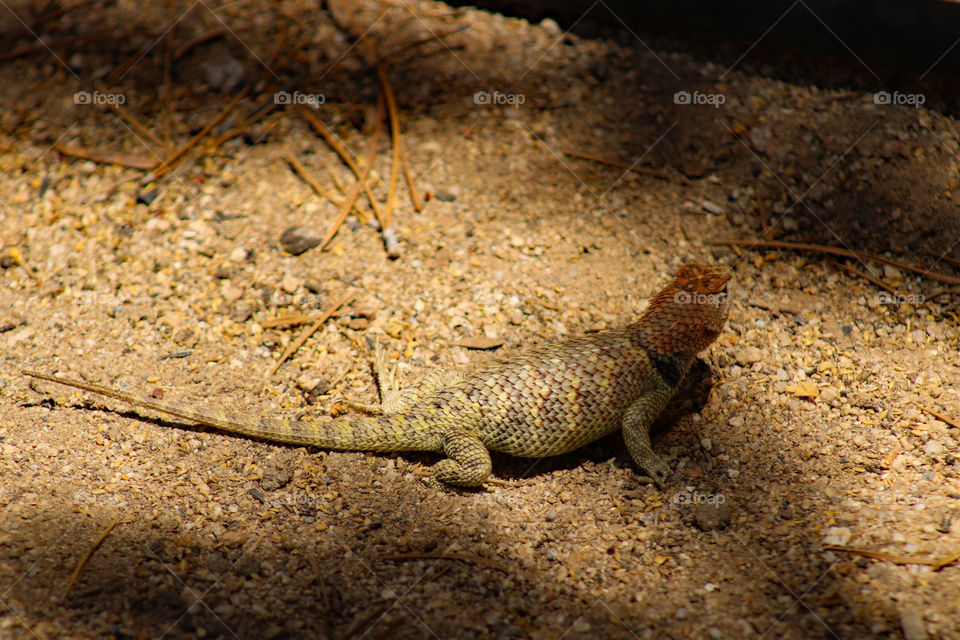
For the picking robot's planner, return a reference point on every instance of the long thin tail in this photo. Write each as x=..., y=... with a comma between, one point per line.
x=379, y=433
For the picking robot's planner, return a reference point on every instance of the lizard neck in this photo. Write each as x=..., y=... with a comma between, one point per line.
x=671, y=345
x=665, y=331
x=671, y=367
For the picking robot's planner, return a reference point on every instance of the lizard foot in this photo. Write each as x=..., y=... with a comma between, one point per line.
x=657, y=469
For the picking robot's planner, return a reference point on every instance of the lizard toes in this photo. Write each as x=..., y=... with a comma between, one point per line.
x=659, y=472
x=442, y=487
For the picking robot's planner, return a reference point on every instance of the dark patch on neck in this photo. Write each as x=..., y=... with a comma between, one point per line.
x=671, y=368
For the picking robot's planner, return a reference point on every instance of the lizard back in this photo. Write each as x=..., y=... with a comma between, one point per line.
x=552, y=399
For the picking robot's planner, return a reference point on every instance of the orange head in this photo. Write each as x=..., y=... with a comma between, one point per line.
x=688, y=314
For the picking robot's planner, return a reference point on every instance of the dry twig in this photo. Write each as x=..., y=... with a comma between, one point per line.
x=361, y=180
x=75, y=40
x=466, y=557
x=337, y=146
x=395, y=140
x=837, y=251
x=134, y=122
x=43, y=19
x=939, y=416
x=614, y=163
x=86, y=557
x=107, y=157
x=170, y=163
x=290, y=319
x=304, y=173
x=296, y=344
x=894, y=558
x=870, y=279
x=413, y=190
x=186, y=47
x=947, y=259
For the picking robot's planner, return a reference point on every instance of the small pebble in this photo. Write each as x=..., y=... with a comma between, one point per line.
x=933, y=447
x=829, y=394
x=307, y=383
x=358, y=324
x=760, y=138
x=367, y=307
x=297, y=240
x=241, y=311
x=147, y=197
x=837, y=535
x=712, y=514
x=749, y=356
x=550, y=27
x=223, y=72
x=290, y=284
x=231, y=292
x=911, y=621
x=711, y=207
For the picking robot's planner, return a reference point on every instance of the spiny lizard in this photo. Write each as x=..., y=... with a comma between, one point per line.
x=548, y=401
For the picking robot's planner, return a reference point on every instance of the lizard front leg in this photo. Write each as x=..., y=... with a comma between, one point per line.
x=636, y=433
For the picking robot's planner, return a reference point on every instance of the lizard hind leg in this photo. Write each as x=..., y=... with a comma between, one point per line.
x=386, y=385
x=467, y=463
x=392, y=399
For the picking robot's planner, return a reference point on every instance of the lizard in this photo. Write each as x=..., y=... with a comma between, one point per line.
x=547, y=401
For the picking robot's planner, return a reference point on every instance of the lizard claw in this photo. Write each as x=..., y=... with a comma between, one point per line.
x=443, y=487
x=432, y=483
x=658, y=471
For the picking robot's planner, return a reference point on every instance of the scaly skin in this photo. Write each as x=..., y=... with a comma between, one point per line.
x=545, y=402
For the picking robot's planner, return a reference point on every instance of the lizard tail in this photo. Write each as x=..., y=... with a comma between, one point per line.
x=373, y=433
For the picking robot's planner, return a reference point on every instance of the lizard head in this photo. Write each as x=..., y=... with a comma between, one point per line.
x=688, y=314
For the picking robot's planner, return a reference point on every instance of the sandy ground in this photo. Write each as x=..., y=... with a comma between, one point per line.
x=804, y=425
